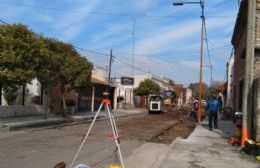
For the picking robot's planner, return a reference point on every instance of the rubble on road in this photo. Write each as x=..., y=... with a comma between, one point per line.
x=159, y=128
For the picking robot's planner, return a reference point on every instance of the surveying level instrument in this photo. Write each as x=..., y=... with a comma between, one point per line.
x=106, y=103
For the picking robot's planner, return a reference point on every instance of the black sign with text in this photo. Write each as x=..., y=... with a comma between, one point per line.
x=127, y=81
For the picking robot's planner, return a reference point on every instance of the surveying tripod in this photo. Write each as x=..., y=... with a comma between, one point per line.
x=105, y=103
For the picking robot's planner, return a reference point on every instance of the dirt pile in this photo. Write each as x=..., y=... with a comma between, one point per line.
x=159, y=128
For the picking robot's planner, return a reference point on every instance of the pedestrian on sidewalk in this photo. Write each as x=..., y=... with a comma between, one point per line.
x=213, y=108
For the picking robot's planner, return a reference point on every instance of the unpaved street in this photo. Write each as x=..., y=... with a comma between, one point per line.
x=43, y=148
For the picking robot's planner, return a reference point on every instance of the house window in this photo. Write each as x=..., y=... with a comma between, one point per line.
x=243, y=55
x=241, y=85
x=257, y=52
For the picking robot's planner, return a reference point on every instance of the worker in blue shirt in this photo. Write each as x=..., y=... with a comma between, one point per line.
x=213, y=108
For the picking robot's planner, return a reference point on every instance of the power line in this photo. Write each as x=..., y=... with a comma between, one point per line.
x=4, y=22
x=114, y=58
x=97, y=12
x=130, y=65
x=72, y=10
x=92, y=51
x=208, y=53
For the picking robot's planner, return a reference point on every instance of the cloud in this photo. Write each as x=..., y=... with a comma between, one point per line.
x=113, y=30
x=72, y=23
x=192, y=65
x=144, y=4
x=165, y=39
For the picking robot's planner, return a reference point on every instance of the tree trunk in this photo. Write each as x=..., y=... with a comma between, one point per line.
x=63, y=94
x=46, y=95
x=64, y=105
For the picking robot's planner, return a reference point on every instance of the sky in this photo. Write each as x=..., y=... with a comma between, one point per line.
x=166, y=38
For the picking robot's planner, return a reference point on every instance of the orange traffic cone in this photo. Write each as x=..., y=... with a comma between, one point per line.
x=244, y=136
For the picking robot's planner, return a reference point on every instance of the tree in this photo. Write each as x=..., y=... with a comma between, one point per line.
x=25, y=55
x=67, y=69
x=147, y=87
x=19, y=50
x=195, y=92
x=76, y=73
x=214, y=89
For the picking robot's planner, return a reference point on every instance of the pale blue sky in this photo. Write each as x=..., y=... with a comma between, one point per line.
x=167, y=38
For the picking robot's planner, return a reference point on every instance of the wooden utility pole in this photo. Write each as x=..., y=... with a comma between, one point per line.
x=201, y=3
x=110, y=64
x=133, y=47
x=201, y=61
x=249, y=65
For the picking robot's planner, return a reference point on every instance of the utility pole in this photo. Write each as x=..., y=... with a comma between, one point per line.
x=249, y=65
x=133, y=56
x=201, y=60
x=110, y=64
x=133, y=47
x=201, y=3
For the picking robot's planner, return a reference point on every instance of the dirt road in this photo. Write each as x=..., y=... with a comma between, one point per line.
x=42, y=149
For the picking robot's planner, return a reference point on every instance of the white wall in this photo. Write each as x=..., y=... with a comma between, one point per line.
x=31, y=89
x=139, y=78
x=99, y=73
x=163, y=82
x=188, y=95
x=230, y=72
x=3, y=99
x=126, y=91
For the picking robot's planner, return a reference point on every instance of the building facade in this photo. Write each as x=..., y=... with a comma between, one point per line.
x=188, y=96
x=230, y=92
x=164, y=82
x=87, y=100
x=239, y=43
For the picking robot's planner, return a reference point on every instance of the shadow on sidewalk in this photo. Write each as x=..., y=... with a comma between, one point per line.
x=225, y=129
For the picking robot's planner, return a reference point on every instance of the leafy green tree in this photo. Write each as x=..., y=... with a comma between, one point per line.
x=195, y=92
x=76, y=73
x=19, y=50
x=214, y=88
x=25, y=55
x=147, y=87
x=212, y=92
x=10, y=94
x=66, y=69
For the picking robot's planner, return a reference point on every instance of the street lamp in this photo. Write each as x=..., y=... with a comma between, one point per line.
x=201, y=3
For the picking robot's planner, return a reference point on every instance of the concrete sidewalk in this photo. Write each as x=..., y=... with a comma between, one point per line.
x=18, y=123
x=206, y=149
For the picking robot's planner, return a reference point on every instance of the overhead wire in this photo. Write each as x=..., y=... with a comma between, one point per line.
x=113, y=57
x=91, y=51
x=208, y=52
x=4, y=22
x=99, y=53
x=96, y=12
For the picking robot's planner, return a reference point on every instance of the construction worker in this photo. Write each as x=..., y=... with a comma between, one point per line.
x=213, y=108
x=193, y=115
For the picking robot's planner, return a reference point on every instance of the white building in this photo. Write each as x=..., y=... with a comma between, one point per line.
x=188, y=96
x=100, y=73
x=31, y=92
x=164, y=82
x=124, y=91
x=230, y=72
x=127, y=91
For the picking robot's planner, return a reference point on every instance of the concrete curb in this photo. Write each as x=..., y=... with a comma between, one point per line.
x=54, y=123
x=161, y=159
x=30, y=124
